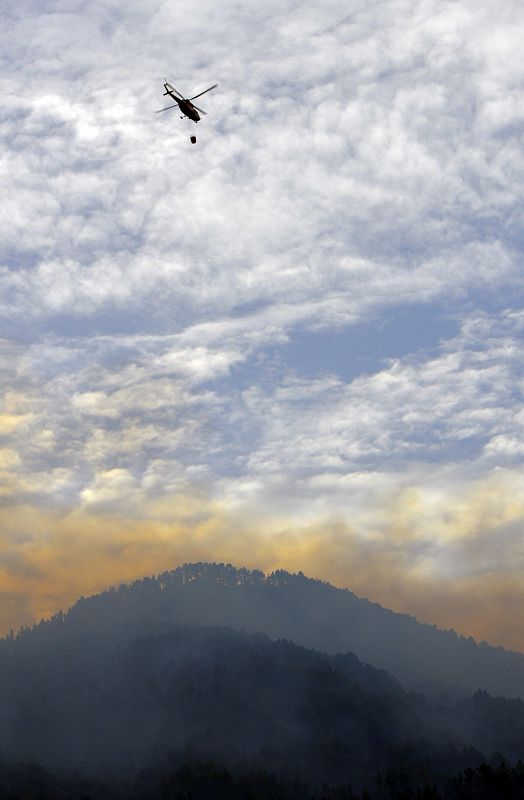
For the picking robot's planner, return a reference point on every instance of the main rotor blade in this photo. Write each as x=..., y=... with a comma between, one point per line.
x=172, y=88
x=205, y=90
x=200, y=109
x=166, y=108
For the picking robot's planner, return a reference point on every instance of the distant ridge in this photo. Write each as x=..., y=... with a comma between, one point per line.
x=310, y=612
x=90, y=704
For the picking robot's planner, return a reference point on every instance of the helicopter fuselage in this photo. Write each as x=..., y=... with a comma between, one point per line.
x=185, y=104
x=186, y=107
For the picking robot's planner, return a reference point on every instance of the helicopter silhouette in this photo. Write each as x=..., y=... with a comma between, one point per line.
x=185, y=104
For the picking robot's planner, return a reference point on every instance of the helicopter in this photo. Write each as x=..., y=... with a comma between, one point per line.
x=185, y=104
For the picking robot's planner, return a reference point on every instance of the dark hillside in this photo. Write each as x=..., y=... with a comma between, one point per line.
x=103, y=708
x=309, y=612
x=211, y=781
x=108, y=703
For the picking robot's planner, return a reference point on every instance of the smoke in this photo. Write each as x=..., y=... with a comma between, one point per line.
x=450, y=557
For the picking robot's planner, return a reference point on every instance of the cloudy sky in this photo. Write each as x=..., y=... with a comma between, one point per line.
x=298, y=343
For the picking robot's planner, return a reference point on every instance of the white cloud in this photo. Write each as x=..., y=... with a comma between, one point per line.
x=362, y=136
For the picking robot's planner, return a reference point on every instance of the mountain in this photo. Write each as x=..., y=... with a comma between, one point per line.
x=119, y=693
x=312, y=613
x=103, y=707
x=108, y=706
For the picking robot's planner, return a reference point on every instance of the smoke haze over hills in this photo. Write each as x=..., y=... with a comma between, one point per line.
x=118, y=688
x=388, y=553
x=308, y=612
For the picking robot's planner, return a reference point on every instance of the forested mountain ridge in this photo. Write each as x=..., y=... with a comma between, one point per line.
x=309, y=612
x=92, y=705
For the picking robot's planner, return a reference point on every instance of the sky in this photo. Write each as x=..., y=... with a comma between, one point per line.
x=296, y=344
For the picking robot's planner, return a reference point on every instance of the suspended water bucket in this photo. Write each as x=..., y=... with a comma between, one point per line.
x=192, y=138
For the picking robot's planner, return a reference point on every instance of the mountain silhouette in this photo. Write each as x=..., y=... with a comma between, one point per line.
x=439, y=663
x=118, y=688
x=107, y=706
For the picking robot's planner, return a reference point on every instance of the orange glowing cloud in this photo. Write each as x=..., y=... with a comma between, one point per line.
x=451, y=558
